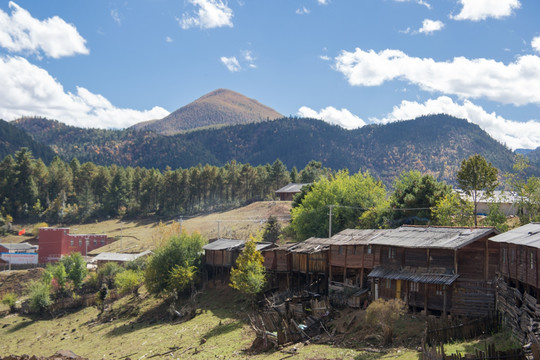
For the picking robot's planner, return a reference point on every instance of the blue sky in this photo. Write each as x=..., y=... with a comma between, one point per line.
x=111, y=64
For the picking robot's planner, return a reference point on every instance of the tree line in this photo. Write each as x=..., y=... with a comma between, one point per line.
x=73, y=192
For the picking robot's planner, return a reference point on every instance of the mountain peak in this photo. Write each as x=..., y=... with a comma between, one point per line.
x=217, y=108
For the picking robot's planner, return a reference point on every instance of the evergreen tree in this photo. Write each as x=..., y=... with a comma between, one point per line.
x=272, y=230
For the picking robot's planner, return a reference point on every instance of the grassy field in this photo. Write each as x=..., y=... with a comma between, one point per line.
x=141, y=329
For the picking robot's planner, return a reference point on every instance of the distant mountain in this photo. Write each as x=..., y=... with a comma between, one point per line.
x=534, y=156
x=218, y=108
x=431, y=144
x=12, y=139
x=523, y=151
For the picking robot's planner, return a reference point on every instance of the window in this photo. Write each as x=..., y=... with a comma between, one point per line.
x=414, y=287
x=388, y=284
x=340, y=250
x=368, y=249
x=439, y=290
x=95, y=242
x=504, y=255
x=71, y=242
x=80, y=242
x=391, y=253
x=531, y=259
x=102, y=242
x=512, y=256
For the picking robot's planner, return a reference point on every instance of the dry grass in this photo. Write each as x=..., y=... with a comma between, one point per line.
x=143, y=234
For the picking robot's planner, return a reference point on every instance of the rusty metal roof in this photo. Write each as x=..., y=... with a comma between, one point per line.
x=439, y=276
x=433, y=237
x=527, y=235
x=356, y=236
x=311, y=245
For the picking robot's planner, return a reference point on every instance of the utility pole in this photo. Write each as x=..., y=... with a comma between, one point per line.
x=218, y=229
x=330, y=221
x=181, y=221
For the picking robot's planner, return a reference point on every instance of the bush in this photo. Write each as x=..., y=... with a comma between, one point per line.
x=39, y=296
x=184, y=250
x=91, y=283
x=384, y=314
x=107, y=273
x=129, y=281
x=75, y=268
x=10, y=299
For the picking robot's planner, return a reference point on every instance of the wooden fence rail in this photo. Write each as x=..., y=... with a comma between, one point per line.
x=440, y=330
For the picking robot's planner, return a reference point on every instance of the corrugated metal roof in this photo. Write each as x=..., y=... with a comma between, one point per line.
x=498, y=196
x=528, y=235
x=263, y=245
x=224, y=244
x=111, y=256
x=432, y=237
x=421, y=275
x=356, y=236
x=18, y=246
x=311, y=245
x=291, y=188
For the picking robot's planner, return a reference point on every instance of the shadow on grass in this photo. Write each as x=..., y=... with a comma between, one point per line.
x=222, y=329
x=22, y=325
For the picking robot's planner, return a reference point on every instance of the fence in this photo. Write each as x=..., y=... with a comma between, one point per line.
x=440, y=330
x=489, y=354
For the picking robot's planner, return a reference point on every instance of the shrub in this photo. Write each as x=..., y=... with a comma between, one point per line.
x=75, y=268
x=10, y=299
x=108, y=272
x=179, y=250
x=39, y=296
x=384, y=314
x=92, y=282
x=129, y=281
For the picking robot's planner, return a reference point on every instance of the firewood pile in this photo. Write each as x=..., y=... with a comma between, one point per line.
x=296, y=319
x=521, y=312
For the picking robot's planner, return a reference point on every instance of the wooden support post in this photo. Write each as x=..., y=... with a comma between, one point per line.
x=425, y=298
x=407, y=286
x=486, y=261
x=444, y=300
x=455, y=262
x=362, y=278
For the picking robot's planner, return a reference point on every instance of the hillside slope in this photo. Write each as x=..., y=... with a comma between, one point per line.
x=431, y=144
x=12, y=139
x=220, y=107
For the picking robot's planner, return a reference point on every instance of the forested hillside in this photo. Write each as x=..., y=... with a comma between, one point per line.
x=220, y=107
x=432, y=144
x=534, y=156
x=12, y=139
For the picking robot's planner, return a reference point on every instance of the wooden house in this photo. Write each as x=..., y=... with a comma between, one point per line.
x=220, y=256
x=119, y=258
x=287, y=192
x=519, y=258
x=277, y=259
x=443, y=269
x=309, y=260
x=352, y=257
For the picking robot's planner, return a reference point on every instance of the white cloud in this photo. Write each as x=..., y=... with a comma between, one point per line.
x=324, y=57
x=249, y=58
x=21, y=32
x=302, y=11
x=231, y=63
x=477, y=10
x=116, y=16
x=517, y=83
x=343, y=117
x=430, y=26
x=535, y=43
x=210, y=14
x=29, y=90
x=323, y=2
x=419, y=2
x=513, y=133
x=169, y=39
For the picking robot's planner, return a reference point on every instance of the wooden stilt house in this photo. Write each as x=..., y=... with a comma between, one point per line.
x=442, y=269
x=519, y=258
x=352, y=257
x=309, y=263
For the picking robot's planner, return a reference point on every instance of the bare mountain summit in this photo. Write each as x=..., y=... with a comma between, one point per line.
x=219, y=107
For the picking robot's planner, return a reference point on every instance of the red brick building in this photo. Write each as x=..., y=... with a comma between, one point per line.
x=57, y=242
